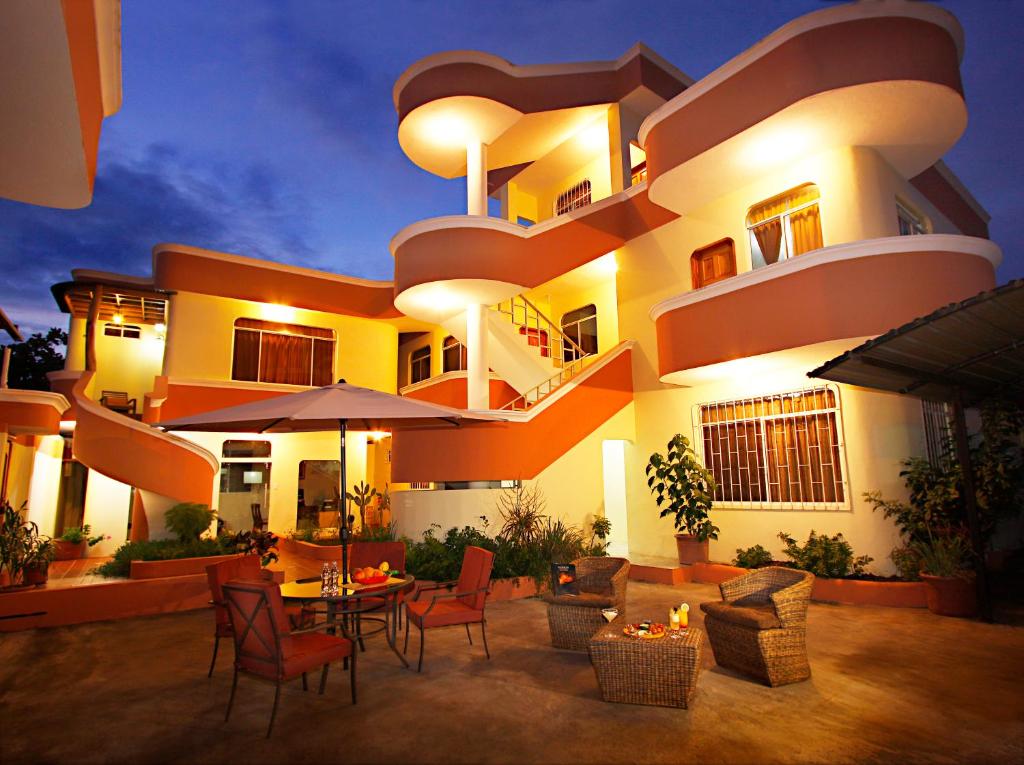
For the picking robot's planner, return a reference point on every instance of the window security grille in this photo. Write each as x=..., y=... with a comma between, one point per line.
x=938, y=436
x=781, y=451
x=576, y=197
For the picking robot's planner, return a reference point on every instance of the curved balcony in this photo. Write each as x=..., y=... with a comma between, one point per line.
x=178, y=267
x=31, y=412
x=883, y=75
x=443, y=264
x=521, y=112
x=139, y=455
x=837, y=293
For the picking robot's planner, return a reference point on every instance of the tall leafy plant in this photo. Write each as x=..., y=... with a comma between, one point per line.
x=188, y=520
x=683, y=488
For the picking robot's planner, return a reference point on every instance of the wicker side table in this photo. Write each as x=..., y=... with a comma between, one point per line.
x=661, y=672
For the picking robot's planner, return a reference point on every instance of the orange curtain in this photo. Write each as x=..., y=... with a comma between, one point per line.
x=806, y=228
x=246, y=362
x=286, y=359
x=769, y=239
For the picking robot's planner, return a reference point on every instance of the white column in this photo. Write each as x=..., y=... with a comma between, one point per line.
x=477, y=374
x=476, y=178
x=613, y=454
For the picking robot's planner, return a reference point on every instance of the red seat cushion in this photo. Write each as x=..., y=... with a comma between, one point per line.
x=301, y=653
x=444, y=613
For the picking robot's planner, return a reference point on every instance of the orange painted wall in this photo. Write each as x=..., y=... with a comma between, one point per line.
x=848, y=298
x=36, y=418
x=495, y=451
x=822, y=59
x=189, y=272
x=453, y=392
x=944, y=196
x=185, y=400
x=478, y=253
x=80, y=25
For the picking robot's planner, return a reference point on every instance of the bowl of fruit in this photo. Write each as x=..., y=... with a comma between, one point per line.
x=645, y=630
x=371, y=574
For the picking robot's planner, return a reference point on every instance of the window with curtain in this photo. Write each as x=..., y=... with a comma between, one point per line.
x=713, y=263
x=580, y=326
x=453, y=355
x=573, y=198
x=290, y=354
x=784, y=226
x=910, y=223
x=419, y=365
x=778, y=451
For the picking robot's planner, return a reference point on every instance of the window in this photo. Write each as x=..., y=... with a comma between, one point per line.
x=290, y=354
x=580, y=326
x=784, y=226
x=122, y=330
x=638, y=174
x=576, y=197
x=713, y=263
x=245, y=449
x=453, y=355
x=783, y=449
x=910, y=223
x=419, y=365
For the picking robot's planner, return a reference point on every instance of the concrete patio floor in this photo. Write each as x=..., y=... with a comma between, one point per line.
x=888, y=685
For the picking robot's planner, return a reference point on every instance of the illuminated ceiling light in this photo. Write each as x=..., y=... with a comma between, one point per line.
x=594, y=137
x=118, y=318
x=68, y=426
x=606, y=264
x=377, y=435
x=446, y=130
x=161, y=330
x=774, y=148
x=278, y=312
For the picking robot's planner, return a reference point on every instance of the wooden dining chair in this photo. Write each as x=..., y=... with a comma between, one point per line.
x=265, y=648
x=463, y=604
x=242, y=567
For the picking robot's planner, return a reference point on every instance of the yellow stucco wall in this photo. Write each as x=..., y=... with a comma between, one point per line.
x=200, y=337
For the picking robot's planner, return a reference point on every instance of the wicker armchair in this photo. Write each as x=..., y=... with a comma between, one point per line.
x=759, y=627
x=573, y=619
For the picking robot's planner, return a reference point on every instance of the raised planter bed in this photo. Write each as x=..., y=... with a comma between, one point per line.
x=157, y=569
x=515, y=588
x=309, y=550
x=858, y=592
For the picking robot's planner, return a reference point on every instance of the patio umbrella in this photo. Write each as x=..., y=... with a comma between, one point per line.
x=331, y=407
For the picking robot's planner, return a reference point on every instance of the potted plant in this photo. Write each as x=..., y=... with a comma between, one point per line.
x=38, y=557
x=946, y=572
x=362, y=494
x=684, y=489
x=74, y=542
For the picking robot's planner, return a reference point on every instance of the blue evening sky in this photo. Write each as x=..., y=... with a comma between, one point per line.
x=267, y=128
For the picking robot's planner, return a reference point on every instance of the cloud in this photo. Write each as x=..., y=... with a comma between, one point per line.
x=139, y=201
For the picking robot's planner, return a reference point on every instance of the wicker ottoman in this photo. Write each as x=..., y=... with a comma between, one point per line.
x=660, y=672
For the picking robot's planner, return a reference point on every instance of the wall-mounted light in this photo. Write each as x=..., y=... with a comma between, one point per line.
x=161, y=330
x=118, y=318
x=278, y=312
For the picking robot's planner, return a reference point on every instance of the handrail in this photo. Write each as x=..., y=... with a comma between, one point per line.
x=523, y=402
x=541, y=323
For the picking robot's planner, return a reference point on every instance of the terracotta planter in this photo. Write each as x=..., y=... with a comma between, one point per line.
x=70, y=550
x=36, y=575
x=951, y=595
x=690, y=550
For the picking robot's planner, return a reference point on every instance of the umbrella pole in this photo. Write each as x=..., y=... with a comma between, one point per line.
x=344, y=531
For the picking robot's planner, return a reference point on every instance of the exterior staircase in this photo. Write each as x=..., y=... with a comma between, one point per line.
x=526, y=349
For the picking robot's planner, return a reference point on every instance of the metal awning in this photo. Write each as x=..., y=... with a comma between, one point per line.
x=961, y=354
x=973, y=349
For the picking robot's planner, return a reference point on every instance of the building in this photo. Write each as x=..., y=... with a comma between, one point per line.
x=670, y=256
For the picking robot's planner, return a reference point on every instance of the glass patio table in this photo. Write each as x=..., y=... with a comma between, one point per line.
x=353, y=601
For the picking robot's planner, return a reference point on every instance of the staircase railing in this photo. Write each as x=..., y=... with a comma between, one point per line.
x=540, y=330
x=523, y=402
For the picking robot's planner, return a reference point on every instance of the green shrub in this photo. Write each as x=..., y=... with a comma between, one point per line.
x=907, y=562
x=948, y=556
x=752, y=557
x=188, y=520
x=78, y=534
x=823, y=555
x=387, y=533
x=159, y=549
